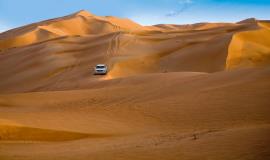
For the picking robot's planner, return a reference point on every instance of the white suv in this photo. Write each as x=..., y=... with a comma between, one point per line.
x=101, y=69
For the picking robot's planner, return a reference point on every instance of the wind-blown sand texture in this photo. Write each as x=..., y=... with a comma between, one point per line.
x=199, y=91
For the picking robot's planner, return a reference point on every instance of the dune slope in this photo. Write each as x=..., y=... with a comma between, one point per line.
x=191, y=115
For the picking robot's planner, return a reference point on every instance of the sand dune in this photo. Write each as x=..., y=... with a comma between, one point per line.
x=250, y=48
x=66, y=62
x=197, y=91
x=195, y=27
x=86, y=23
x=151, y=119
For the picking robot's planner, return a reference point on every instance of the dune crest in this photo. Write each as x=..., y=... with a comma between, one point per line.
x=83, y=13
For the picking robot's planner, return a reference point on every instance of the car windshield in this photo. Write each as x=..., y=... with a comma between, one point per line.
x=100, y=67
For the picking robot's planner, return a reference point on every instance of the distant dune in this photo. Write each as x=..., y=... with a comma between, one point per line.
x=198, y=91
x=80, y=23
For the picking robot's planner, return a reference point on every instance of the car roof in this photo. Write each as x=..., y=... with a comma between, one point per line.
x=101, y=65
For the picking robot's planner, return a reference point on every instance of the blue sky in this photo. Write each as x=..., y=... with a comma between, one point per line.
x=15, y=13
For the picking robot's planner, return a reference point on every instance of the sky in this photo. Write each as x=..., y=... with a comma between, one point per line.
x=16, y=13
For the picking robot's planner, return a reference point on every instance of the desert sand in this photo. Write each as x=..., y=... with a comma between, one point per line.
x=199, y=91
